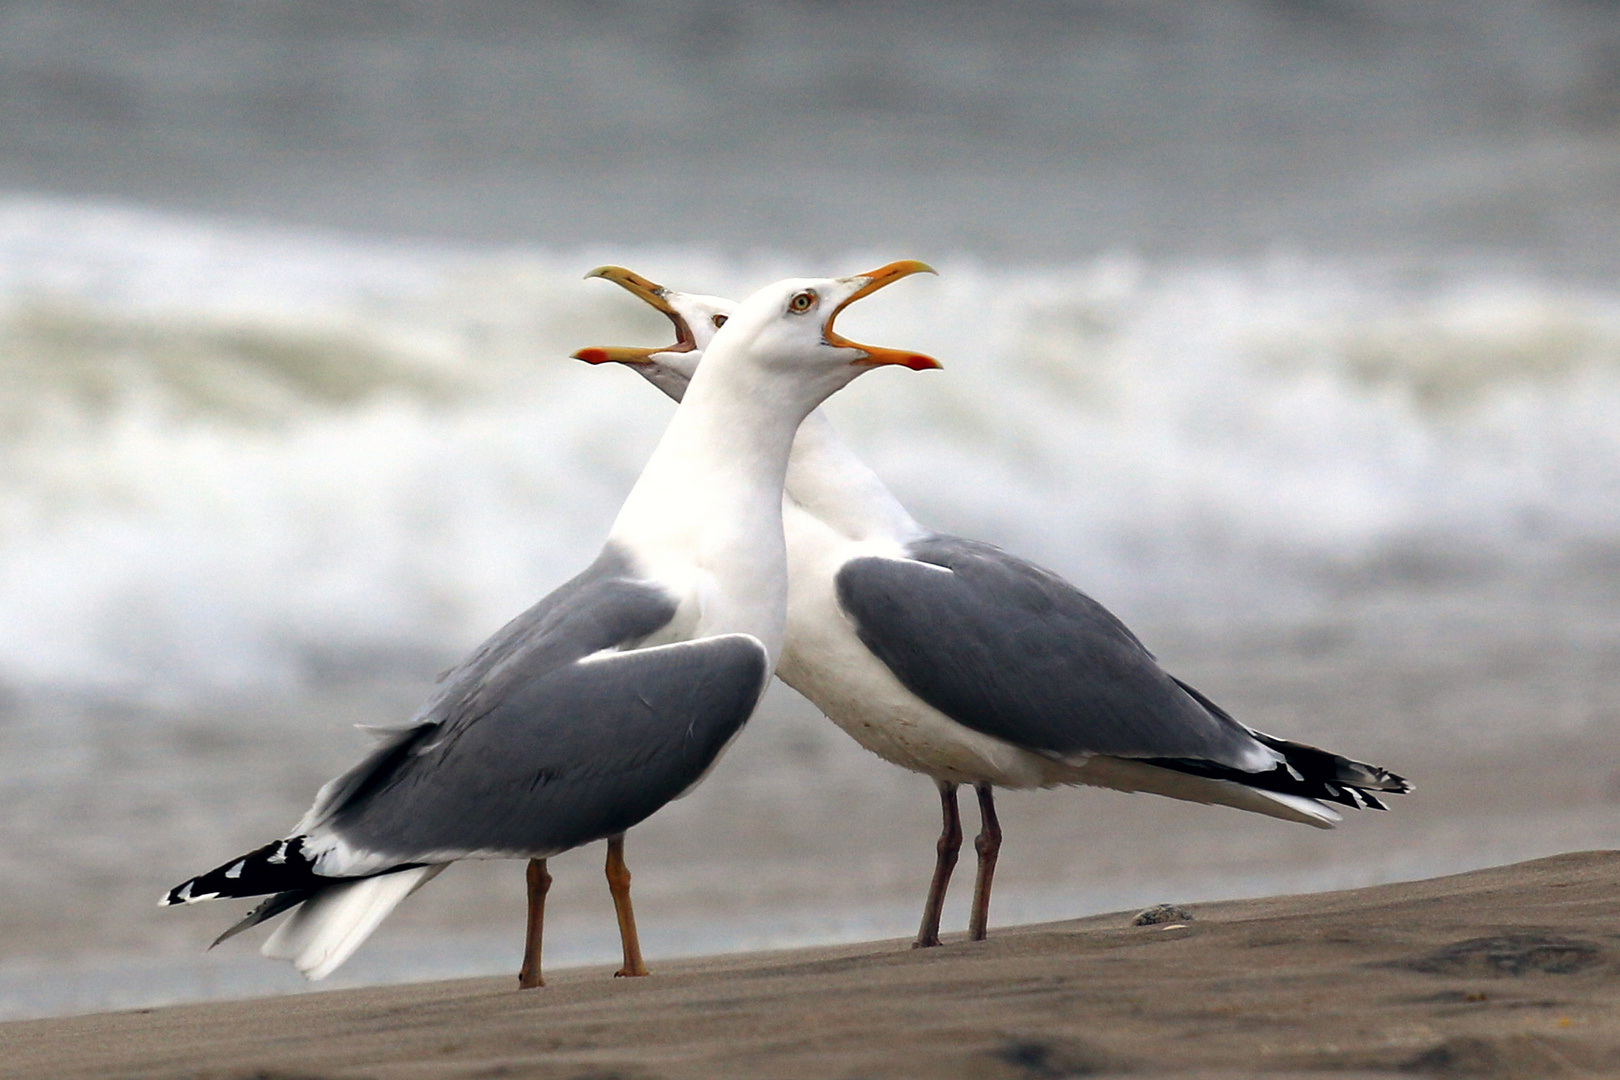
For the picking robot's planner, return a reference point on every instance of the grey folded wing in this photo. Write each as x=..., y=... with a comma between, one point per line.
x=1015, y=652
x=579, y=752
x=529, y=747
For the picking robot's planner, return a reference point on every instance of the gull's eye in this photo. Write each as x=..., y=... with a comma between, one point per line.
x=719, y=321
x=802, y=302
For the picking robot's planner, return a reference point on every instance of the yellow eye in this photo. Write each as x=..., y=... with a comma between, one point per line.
x=802, y=302
x=719, y=321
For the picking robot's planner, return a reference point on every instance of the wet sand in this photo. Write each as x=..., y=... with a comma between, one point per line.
x=1511, y=971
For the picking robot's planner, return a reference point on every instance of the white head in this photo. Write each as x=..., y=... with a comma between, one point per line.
x=696, y=318
x=790, y=318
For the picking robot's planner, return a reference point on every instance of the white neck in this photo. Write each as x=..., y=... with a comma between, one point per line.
x=705, y=518
x=828, y=480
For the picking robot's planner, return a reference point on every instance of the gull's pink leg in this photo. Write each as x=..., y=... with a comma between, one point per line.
x=618, y=875
x=539, y=882
x=988, y=845
x=950, y=842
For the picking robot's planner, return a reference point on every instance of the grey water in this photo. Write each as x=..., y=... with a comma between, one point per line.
x=1024, y=131
x=1286, y=329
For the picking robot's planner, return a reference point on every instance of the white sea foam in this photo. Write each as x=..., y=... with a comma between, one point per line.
x=236, y=456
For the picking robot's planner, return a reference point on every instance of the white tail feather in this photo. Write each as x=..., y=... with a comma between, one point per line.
x=1124, y=774
x=1309, y=811
x=323, y=931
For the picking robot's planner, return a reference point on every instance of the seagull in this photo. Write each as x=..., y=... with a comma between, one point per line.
x=957, y=660
x=611, y=696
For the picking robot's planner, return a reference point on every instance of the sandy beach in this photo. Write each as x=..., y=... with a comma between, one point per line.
x=1510, y=971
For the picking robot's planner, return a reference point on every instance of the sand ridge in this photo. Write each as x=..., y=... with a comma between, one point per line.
x=1510, y=971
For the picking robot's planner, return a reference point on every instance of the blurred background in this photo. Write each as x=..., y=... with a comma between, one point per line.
x=1286, y=328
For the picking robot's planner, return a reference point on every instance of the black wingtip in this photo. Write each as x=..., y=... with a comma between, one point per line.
x=1325, y=766
x=187, y=893
x=277, y=867
x=1304, y=770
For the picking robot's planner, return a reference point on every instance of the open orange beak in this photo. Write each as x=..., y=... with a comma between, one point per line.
x=875, y=280
x=650, y=293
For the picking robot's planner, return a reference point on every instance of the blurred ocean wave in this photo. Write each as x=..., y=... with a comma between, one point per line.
x=230, y=452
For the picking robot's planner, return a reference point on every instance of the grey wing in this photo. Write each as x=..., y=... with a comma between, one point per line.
x=1014, y=651
x=577, y=753
x=605, y=606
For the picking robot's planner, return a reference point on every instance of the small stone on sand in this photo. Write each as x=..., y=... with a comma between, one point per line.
x=1162, y=913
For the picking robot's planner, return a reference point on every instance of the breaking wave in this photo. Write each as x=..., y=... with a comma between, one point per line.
x=244, y=458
